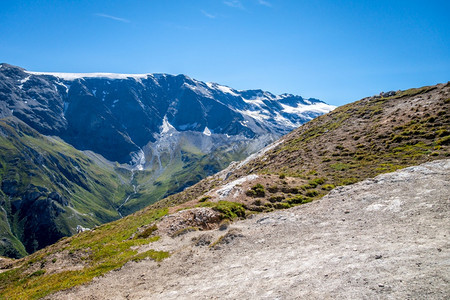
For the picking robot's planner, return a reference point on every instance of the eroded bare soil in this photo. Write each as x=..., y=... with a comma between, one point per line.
x=383, y=238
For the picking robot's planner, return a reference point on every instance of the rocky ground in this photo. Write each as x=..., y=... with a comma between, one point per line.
x=382, y=238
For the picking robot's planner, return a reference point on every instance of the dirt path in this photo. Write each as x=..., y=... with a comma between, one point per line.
x=384, y=238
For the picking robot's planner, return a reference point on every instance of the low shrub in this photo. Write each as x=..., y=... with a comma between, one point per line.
x=312, y=193
x=273, y=188
x=276, y=198
x=228, y=210
x=290, y=190
x=204, y=199
x=281, y=205
x=256, y=191
x=328, y=187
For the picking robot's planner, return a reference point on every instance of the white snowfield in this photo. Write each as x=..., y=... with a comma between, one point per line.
x=74, y=76
x=315, y=107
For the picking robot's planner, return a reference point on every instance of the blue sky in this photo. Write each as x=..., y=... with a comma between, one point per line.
x=337, y=51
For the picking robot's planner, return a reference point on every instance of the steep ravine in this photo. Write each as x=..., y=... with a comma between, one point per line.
x=382, y=238
x=135, y=189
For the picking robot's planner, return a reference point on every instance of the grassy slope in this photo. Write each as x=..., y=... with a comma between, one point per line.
x=37, y=161
x=91, y=253
x=352, y=143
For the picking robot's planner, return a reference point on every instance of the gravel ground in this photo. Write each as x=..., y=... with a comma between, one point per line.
x=383, y=238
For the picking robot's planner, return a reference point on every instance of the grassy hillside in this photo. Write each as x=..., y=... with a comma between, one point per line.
x=352, y=143
x=48, y=188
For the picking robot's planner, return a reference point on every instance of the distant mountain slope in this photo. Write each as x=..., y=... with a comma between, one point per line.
x=48, y=188
x=117, y=115
x=352, y=143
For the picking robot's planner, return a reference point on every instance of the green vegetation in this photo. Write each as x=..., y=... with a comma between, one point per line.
x=228, y=210
x=328, y=187
x=103, y=249
x=204, y=199
x=33, y=163
x=152, y=254
x=365, y=138
x=147, y=232
x=256, y=191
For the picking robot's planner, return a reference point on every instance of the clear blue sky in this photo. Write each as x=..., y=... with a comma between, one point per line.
x=337, y=51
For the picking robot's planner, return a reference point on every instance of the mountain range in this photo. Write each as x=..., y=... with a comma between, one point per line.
x=79, y=150
x=354, y=142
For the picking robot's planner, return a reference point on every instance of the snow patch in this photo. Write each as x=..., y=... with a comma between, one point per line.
x=243, y=123
x=64, y=86
x=222, y=88
x=166, y=126
x=23, y=81
x=255, y=114
x=285, y=122
x=322, y=108
x=256, y=101
x=283, y=96
x=207, y=132
x=138, y=160
x=198, y=89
